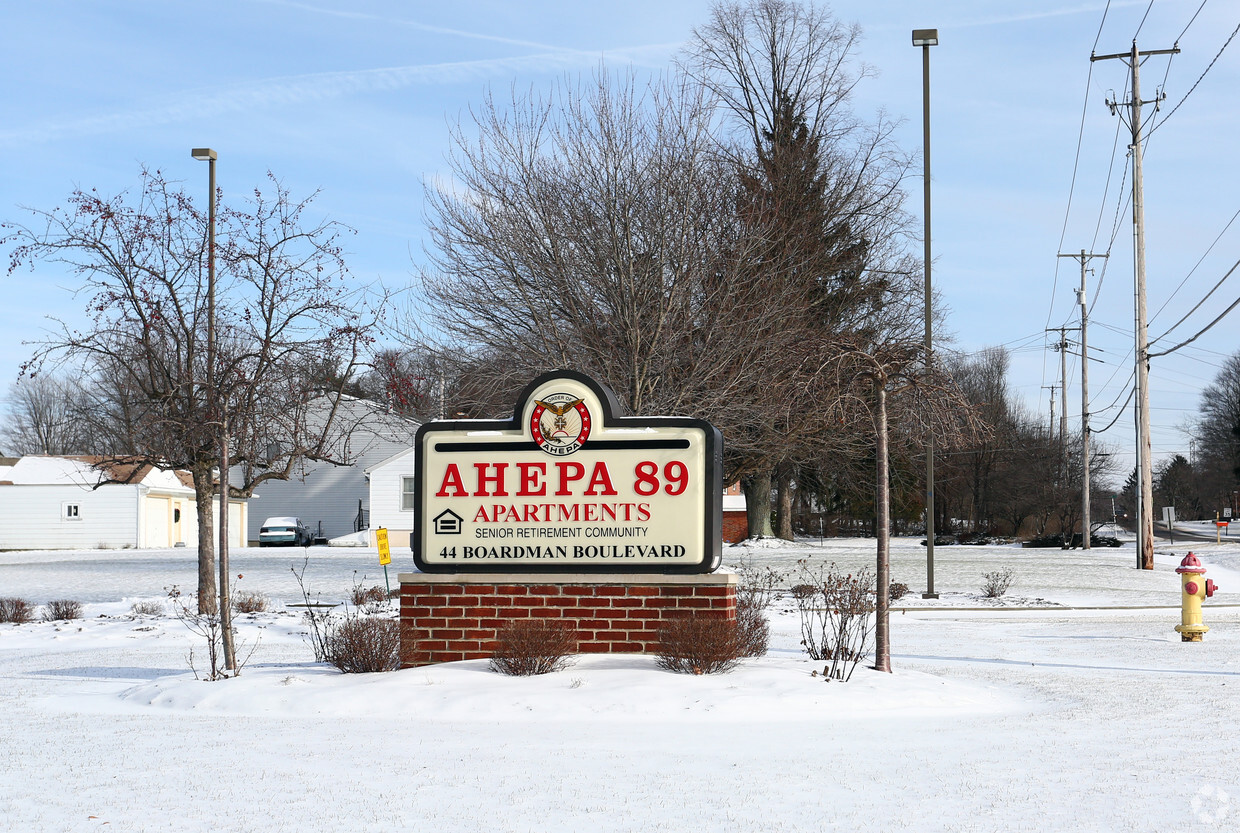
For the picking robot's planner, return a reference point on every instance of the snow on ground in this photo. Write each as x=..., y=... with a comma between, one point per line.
x=1042, y=717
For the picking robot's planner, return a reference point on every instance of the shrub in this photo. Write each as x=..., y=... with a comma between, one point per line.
x=837, y=619
x=363, y=596
x=250, y=601
x=897, y=590
x=16, y=611
x=534, y=646
x=754, y=631
x=701, y=646
x=363, y=644
x=755, y=592
x=997, y=583
x=149, y=607
x=60, y=609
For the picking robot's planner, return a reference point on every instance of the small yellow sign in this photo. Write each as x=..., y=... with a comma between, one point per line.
x=385, y=552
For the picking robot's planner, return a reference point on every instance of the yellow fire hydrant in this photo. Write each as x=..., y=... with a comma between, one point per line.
x=1194, y=590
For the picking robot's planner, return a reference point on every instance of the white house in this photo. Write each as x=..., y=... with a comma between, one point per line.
x=393, y=495
x=334, y=500
x=78, y=503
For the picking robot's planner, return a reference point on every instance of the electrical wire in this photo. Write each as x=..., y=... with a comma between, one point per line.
x=1190, y=22
x=1189, y=275
x=1143, y=17
x=1076, y=163
x=1231, y=37
x=1207, y=327
x=1111, y=424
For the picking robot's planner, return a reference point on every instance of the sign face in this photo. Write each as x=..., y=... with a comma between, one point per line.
x=566, y=485
x=1227, y=512
x=385, y=551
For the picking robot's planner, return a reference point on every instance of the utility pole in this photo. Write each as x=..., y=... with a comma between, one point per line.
x=1061, y=346
x=1050, y=429
x=1144, y=491
x=1080, y=297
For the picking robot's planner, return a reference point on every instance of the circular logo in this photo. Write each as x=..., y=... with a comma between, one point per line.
x=1211, y=804
x=560, y=423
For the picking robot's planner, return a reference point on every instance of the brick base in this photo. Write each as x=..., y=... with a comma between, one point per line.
x=453, y=616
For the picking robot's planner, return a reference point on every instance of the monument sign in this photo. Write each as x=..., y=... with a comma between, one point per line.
x=566, y=485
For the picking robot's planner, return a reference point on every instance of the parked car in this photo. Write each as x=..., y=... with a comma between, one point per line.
x=283, y=532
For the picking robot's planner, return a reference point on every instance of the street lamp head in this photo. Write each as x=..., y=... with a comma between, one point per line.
x=925, y=37
x=203, y=154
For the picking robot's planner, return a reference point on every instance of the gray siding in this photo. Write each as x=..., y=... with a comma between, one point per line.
x=328, y=493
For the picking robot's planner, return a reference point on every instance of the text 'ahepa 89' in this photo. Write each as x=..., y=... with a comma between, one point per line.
x=568, y=486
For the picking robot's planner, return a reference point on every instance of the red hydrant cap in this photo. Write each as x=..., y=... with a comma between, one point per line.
x=1190, y=564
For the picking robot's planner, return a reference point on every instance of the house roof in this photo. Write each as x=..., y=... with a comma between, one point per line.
x=91, y=471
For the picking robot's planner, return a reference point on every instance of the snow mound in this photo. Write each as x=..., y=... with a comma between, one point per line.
x=615, y=688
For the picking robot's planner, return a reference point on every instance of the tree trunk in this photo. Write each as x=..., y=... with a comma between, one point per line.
x=757, y=489
x=784, y=495
x=226, y=632
x=882, y=500
x=204, y=494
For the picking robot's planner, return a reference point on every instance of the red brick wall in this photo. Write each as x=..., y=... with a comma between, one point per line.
x=450, y=618
x=735, y=527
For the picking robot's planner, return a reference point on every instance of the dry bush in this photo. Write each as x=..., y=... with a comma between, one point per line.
x=701, y=646
x=58, y=609
x=147, y=608
x=837, y=616
x=755, y=631
x=897, y=590
x=755, y=592
x=250, y=601
x=534, y=646
x=363, y=596
x=15, y=611
x=997, y=583
x=363, y=644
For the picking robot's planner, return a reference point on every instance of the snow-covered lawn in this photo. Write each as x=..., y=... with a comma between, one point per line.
x=1060, y=717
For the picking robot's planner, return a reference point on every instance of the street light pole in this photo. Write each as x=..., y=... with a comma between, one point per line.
x=926, y=38
x=216, y=410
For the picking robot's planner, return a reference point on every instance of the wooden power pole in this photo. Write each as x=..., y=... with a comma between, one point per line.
x=1080, y=298
x=1144, y=491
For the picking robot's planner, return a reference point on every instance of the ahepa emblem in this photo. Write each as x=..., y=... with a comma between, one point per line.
x=560, y=423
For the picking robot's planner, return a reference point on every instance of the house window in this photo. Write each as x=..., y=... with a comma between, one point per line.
x=72, y=512
x=407, y=494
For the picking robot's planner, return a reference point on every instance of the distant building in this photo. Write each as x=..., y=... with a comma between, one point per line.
x=393, y=495
x=84, y=502
x=735, y=516
x=333, y=501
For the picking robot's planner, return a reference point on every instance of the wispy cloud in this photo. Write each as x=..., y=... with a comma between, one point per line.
x=1002, y=20
x=298, y=89
x=412, y=24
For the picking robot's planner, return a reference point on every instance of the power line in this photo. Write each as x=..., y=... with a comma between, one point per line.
x=1143, y=17
x=1207, y=327
x=1076, y=162
x=1198, y=81
x=1189, y=275
x=1190, y=22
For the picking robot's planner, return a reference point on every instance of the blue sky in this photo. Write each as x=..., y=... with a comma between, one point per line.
x=356, y=98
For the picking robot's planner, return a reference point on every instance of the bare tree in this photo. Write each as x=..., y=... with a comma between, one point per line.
x=822, y=191
x=284, y=307
x=46, y=416
x=1217, y=436
x=594, y=228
